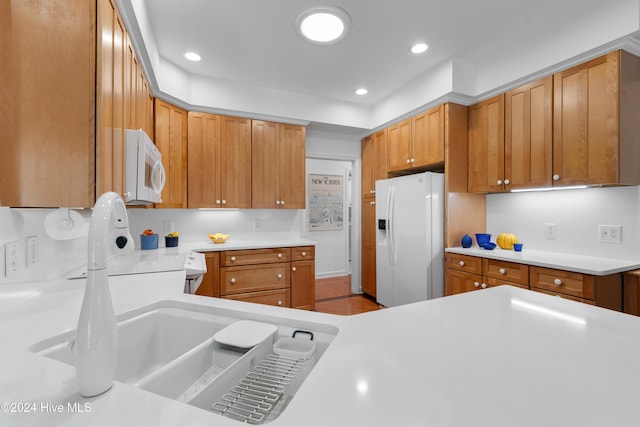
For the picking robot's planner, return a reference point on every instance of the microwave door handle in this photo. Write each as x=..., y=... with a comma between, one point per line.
x=157, y=167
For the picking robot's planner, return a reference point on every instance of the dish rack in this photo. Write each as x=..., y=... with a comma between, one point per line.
x=264, y=392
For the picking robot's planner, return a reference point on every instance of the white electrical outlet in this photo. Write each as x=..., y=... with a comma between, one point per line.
x=168, y=227
x=31, y=246
x=551, y=231
x=610, y=233
x=10, y=258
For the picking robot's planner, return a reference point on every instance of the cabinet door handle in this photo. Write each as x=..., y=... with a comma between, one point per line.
x=233, y=259
x=413, y=160
x=483, y=286
x=277, y=202
x=293, y=269
x=476, y=284
x=502, y=271
x=507, y=182
x=279, y=276
x=461, y=263
x=217, y=201
x=233, y=280
x=556, y=177
x=282, y=202
x=224, y=202
x=557, y=282
x=499, y=182
x=408, y=161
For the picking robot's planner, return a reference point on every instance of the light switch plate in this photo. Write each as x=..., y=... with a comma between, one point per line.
x=551, y=231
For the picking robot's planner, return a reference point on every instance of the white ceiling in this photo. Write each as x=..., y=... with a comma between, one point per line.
x=253, y=42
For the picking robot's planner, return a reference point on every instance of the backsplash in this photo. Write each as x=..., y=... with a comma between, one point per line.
x=56, y=258
x=577, y=215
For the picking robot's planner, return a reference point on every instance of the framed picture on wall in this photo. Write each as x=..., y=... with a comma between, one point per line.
x=326, y=202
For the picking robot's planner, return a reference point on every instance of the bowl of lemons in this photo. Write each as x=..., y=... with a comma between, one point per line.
x=218, y=238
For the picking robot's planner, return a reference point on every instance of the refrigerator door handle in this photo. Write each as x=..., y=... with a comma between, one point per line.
x=390, y=225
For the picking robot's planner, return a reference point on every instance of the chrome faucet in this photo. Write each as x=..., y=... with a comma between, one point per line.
x=96, y=342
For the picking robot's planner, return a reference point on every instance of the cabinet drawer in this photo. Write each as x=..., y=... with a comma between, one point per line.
x=279, y=297
x=505, y=270
x=470, y=264
x=255, y=256
x=235, y=280
x=565, y=296
x=562, y=282
x=491, y=281
x=301, y=253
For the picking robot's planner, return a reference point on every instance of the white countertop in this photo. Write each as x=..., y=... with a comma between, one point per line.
x=597, y=266
x=500, y=357
x=233, y=244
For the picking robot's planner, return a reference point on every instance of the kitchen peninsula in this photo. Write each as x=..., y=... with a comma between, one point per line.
x=444, y=362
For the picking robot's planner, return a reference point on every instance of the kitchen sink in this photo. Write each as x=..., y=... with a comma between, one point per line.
x=176, y=350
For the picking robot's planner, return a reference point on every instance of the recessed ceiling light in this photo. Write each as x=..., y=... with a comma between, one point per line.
x=192, y=56
x=361, y=91
x=323, y=25
x=419, y=48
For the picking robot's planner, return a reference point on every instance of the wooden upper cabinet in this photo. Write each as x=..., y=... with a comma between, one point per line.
x=528, y=139
x=171, y=140
x=486, y=146
x=278, y=165
x=47, y=103
x=203, y=160
x=235, y=162
x=427, y=140
x=374, y=161
x=368, y=159
x=596, y=126
x=218, y=161
x=399, y=146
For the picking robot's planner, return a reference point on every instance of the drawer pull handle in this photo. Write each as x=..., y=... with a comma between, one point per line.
x=279, y=302
x=557, y=282
x=476, y=284
x=233, y=259
x=233, y=280
x=304, y=253
x=279, y=255
x=502, y=271
x=293, y=269
x=279, y=276
x=461, y=263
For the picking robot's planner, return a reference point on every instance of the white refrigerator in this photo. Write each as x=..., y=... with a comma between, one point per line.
x=409, y=238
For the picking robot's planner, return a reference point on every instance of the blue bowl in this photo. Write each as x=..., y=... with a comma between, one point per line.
x=482, y=238
x=488, y=245
x=148, y=241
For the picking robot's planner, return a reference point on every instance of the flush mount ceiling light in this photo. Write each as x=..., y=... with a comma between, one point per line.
x=192, y=56
x=361, y=91
x=419, y=48
x=323, y=25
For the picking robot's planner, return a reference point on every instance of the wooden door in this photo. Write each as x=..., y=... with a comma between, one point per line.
x=235, y=162
x=264, y=164
x=171, y=140
x=528, y=139
x=457, y=282
x=586, y=121
x=486, y=146
x=368, y=248
x=399, y=146
x=303, y=289
x=203, y=160
x=292, y=167
x=428, y=137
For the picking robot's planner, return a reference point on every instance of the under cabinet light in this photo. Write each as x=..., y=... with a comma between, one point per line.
x=572, y=187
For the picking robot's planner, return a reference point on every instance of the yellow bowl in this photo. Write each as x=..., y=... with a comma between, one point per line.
x=218, y=237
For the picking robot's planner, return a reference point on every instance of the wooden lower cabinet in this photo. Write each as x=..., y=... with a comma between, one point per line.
x=275, y=276
x=466, y=273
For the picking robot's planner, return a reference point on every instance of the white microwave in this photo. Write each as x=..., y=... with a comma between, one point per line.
x=144, y=174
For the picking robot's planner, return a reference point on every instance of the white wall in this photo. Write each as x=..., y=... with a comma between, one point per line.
x=577, y=214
